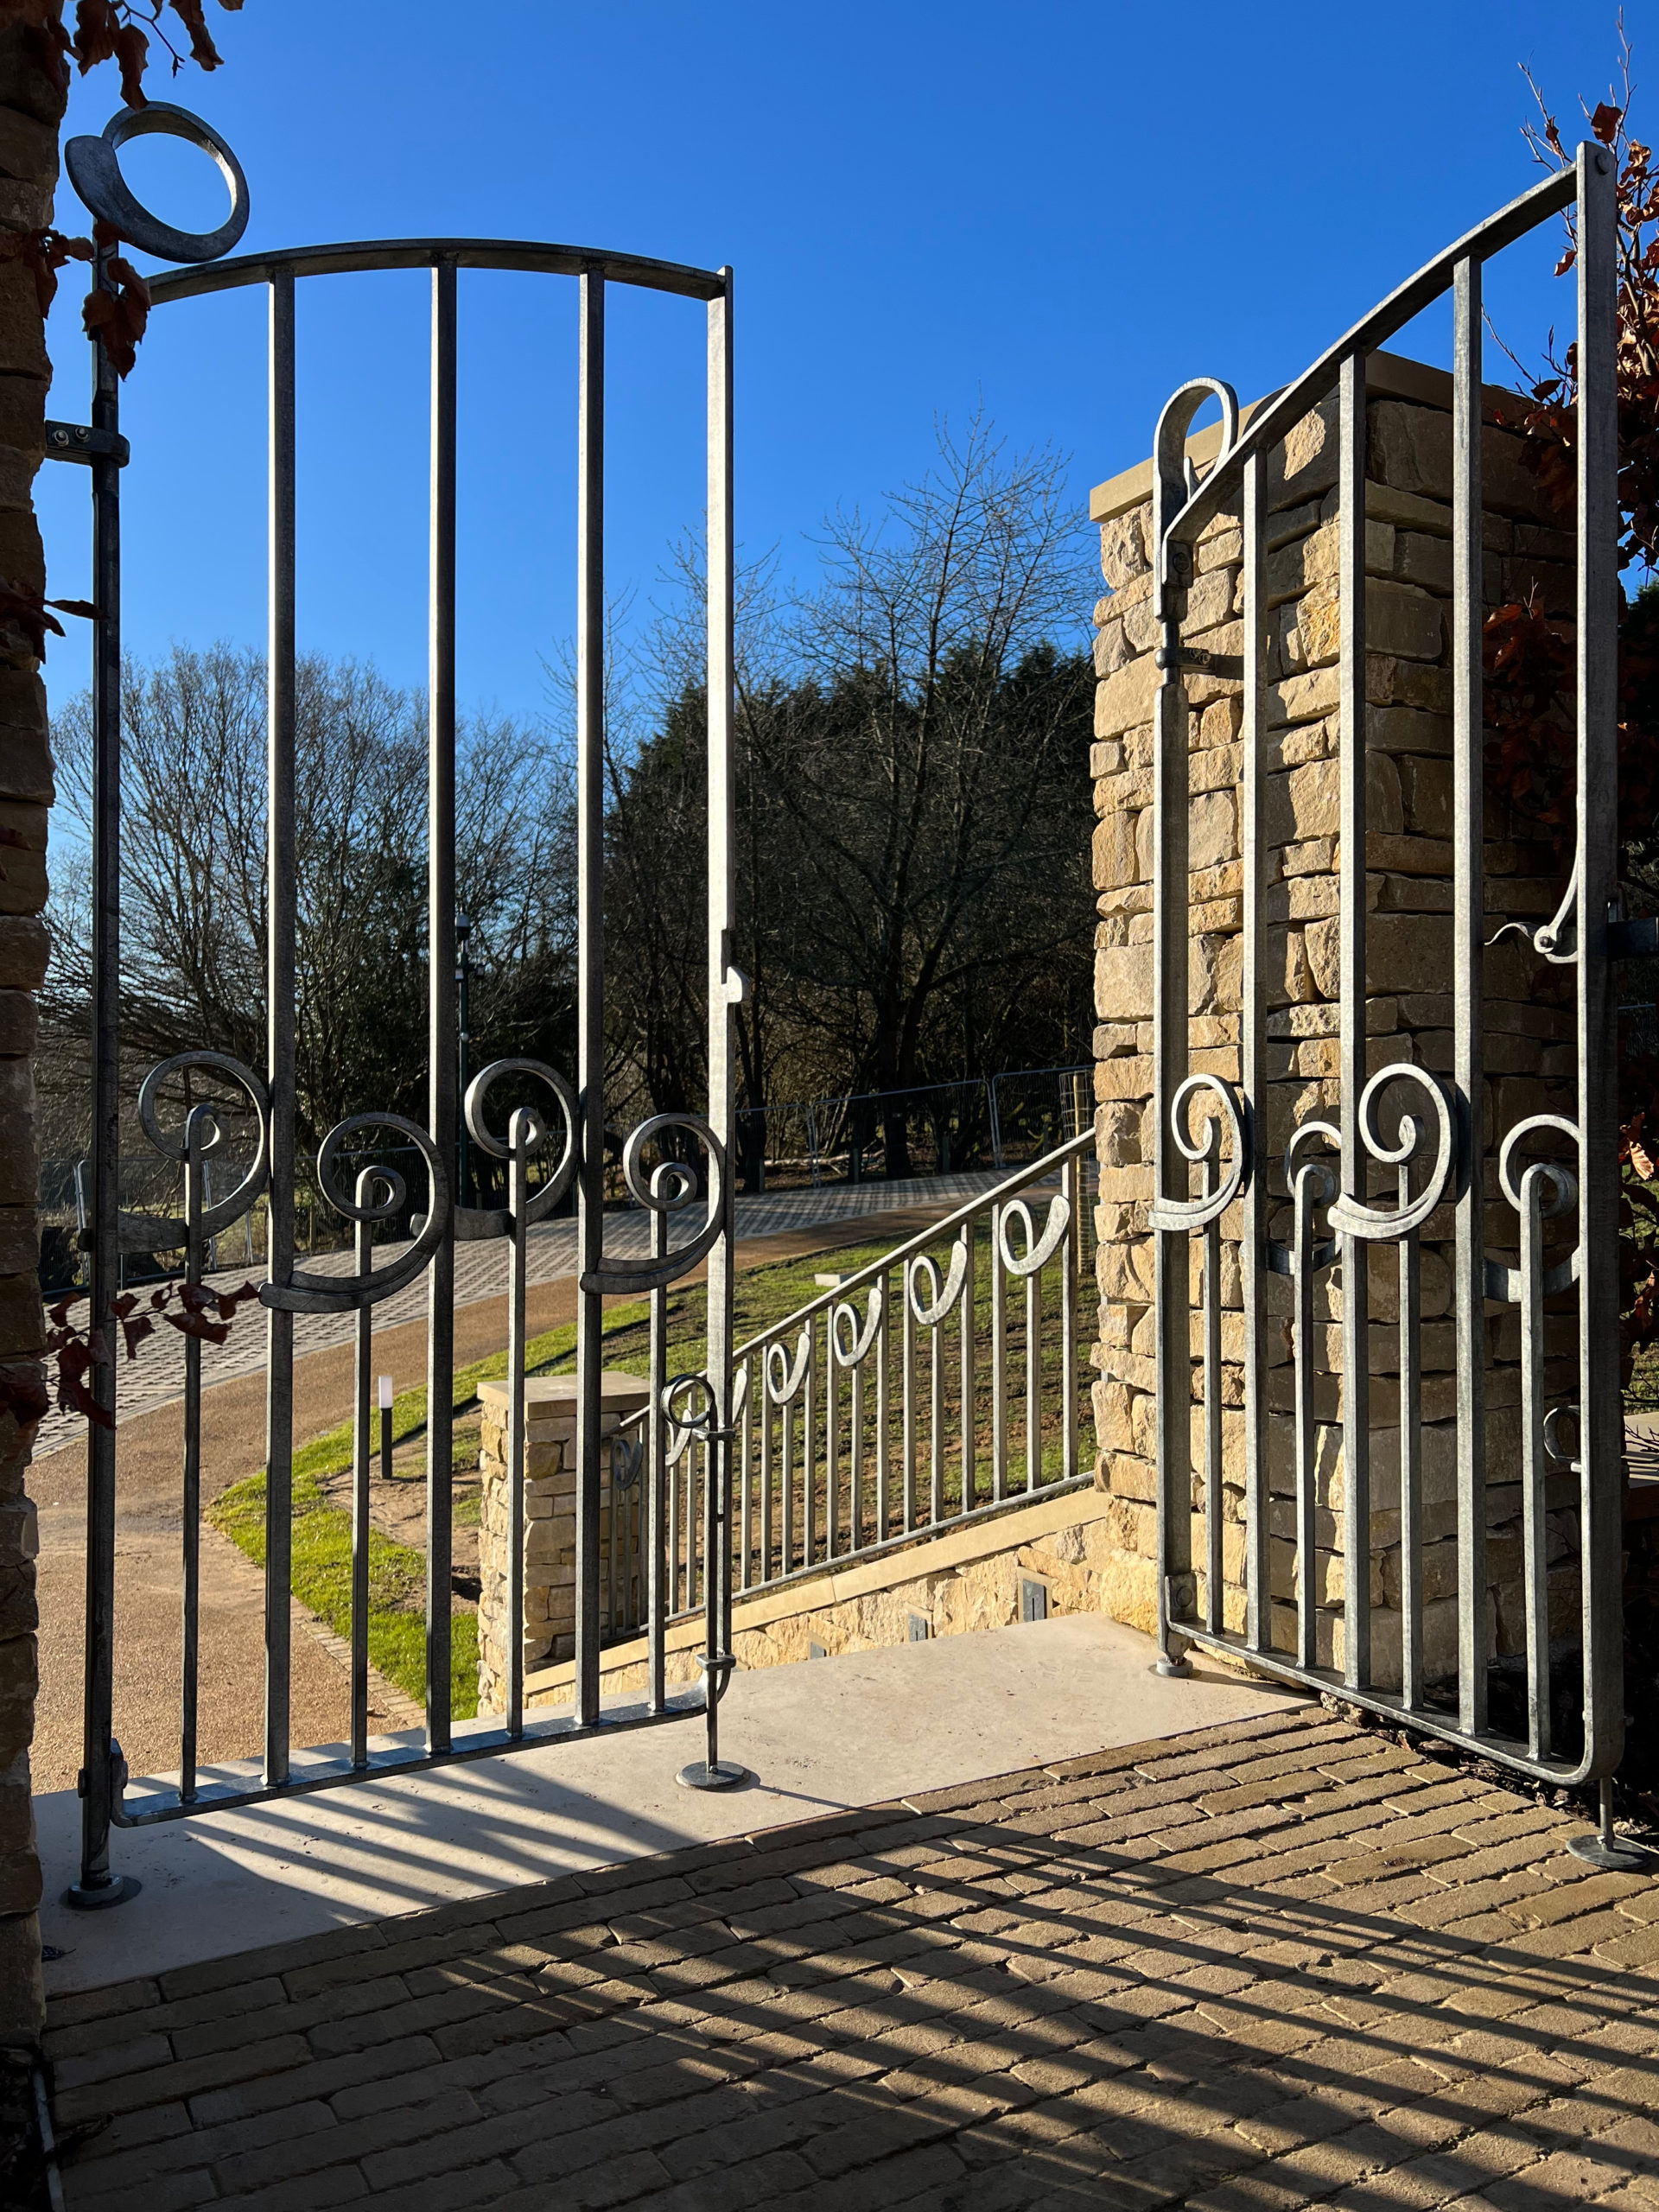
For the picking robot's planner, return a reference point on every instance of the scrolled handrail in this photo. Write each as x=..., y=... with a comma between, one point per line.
x=783, y=1377
x=1039, y=1170
x=1039, y=1250
x=857, y=1347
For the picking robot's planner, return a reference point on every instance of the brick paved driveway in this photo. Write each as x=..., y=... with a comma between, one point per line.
x=1279, y=1963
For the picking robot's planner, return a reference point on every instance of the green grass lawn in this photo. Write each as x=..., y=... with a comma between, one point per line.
x=322, y=1531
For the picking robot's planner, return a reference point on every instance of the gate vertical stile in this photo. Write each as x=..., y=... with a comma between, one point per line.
x=281, y=894
x=440, y=1030
x=1468, y=1003
x=1252, y=1062
x=97, y=1885
x=590, y=1017
x=1356, y=1298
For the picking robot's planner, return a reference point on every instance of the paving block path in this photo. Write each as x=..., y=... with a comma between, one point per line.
x=1279, y=1963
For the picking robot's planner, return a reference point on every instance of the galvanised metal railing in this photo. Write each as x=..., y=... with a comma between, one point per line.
x=1424, y=1141
x=936, y=1385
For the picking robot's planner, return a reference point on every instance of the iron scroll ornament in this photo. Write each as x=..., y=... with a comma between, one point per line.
x=527, y=1132
x=315, y=1293
x=167, y=1235
x=1504, y=1282
x=1195, y=1213
x=1352, y=1217
x=634, y=1276
x=95, y=172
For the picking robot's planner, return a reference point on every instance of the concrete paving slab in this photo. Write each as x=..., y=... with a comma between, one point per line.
x=829, y=1735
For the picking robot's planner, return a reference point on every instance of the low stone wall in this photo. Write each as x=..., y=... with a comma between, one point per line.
x=981, y=1576
x=549, y=1622
x=1528, y=1040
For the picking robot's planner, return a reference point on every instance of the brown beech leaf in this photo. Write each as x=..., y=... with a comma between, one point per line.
x=97, y=26
x=132, y=52
x=23, y=1394
x=203, y=52
x=1604, y=122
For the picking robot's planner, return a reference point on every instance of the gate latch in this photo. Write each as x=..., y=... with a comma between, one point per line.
x=74, y=442
x=1227, y=664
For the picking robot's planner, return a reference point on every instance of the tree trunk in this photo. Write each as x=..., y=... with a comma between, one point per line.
x=31, y=110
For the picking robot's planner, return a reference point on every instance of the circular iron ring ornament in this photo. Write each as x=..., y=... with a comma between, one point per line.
x=218, y=1217
x=95, y=172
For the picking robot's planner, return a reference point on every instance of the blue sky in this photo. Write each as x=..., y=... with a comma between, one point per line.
x=1056, y=211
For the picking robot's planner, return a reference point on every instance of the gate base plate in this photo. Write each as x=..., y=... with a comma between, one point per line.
x=725, y=1773
x=1619, y=1858
x=80, y=1898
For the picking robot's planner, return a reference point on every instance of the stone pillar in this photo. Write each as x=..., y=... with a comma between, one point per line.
x=1528, y=1038
x=550, y=1622
x=31, y=108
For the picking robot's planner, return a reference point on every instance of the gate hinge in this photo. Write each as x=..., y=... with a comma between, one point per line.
x=75, y=441
x=1230, y=664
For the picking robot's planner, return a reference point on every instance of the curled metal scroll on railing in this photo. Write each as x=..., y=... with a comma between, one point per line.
x=1313, y=1182
x=315, y=1293
x=166, y=1236
x=844, y=1318
x=666, y=1198
x=1349, y=1215
x=1506, y=1282
x=784, y=1378
x=936, y=1305
x=1557, y=939
x=1194, y=1213
x=527, y=1132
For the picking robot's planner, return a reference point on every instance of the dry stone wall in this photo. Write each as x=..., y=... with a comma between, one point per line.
x=1529, y=1051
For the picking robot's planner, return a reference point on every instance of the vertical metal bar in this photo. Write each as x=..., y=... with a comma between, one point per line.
x=519, y=1150
x=883, y=1393
x=1600, y=1414
x=724, y=981
x=747, y=1550
x=1411, y=1460
x=1252, y=1069
x=855, y=1467
x=766, y=1413
x=1071, y=1190
x=590, y=1016
x=280, y=898
x=362, y=1445
x=969, y=1321
x=198, y=1124
x=441, y=1004
x=1033, y=1379
x=659, y=1582
x=1535, y=1573
x=831, y=1440
x=999, y=1361
x=907, y=1380
x=1212, y=1484
x=936, y=1424
x=1171, y=1293
x=1355, y=1305
x=809, y=1451
x=786, y=1485
x=1308, y=1618
x=1468, y=1009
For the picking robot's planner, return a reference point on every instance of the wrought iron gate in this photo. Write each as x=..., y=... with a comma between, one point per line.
x=575, y=1113
x=1421, y=1138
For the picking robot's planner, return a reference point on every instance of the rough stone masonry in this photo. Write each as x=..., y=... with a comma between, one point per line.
x=1528, y=1036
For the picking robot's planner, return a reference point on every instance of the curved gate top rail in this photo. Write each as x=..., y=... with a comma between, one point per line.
x=1430, y=1153
x=379, y=1191
x=529, y=255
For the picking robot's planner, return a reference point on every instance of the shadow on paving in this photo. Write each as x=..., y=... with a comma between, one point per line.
x=1277, y=1963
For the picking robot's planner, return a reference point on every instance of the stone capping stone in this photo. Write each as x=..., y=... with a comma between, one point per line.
x=1387, y=376
x=619, y=1393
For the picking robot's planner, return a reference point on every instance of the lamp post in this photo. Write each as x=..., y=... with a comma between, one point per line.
x=463, y=1045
